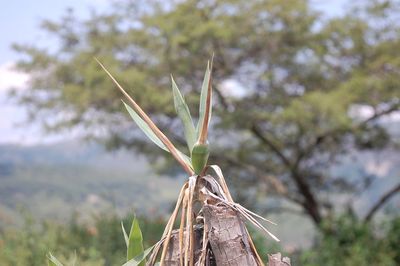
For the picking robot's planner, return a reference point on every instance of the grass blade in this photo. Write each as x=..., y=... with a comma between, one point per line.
x=184, y=114
x=53, y=261
x=145, y=128
x=135, y=242
x=136, y=261
x=125, y=235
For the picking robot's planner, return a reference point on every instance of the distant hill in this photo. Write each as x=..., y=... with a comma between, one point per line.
x=54, y=180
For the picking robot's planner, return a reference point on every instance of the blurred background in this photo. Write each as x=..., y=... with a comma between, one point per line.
x=306, y=123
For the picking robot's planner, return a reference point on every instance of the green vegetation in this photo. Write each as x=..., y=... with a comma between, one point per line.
x=349, y=242
x=99, y=242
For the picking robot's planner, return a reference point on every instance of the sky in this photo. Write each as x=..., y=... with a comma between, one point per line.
x=19, y=23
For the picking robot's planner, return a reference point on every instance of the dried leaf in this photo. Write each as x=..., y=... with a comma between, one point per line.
x=205, y=102
x=174, y=151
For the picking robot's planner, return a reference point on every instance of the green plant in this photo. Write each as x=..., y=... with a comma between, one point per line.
x=200, y=187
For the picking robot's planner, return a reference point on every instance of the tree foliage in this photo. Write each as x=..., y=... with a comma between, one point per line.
x=299, y=74
x=352, y=242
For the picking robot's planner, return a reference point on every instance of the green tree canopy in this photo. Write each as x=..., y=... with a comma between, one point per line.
x=299, y=73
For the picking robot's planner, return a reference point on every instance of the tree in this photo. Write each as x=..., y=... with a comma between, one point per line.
x=299, y=74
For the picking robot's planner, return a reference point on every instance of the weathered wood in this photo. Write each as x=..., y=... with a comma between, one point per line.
x=277, y=260
x=221, y=227
x=227, y=236
x=173, y=256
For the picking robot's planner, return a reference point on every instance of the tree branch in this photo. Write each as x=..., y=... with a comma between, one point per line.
x=258, y=133
x=377, y=115
x=381, y=202
x=319, y=139
x=310, y=204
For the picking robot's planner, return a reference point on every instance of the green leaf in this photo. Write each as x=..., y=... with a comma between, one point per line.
x=184, y=114
x=203, y=101
x=145, y=128
x=125, y=235
x=139, y=258
x=53, y=261
x=200, y=155
x=135, y=242
x=150, y=134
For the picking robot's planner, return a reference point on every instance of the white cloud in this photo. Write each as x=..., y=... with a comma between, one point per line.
x=11, y=78
x=13, y=117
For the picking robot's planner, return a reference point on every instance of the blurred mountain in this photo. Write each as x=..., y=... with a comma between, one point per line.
x=55, y=180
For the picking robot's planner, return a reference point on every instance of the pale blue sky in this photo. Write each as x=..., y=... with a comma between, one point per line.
x=19, y=23
x=20, y=20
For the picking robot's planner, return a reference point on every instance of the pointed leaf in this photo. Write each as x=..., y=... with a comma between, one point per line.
x=139, y=258
x=135, y=242
x=149, y=133
x=160, y=135
x=144, y=127
x=184, y=114
x=53, y=261
x=204, y=104
x=125, y=235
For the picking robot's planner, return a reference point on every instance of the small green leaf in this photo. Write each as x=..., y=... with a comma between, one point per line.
x=200, y=155
x=125, y=235
x=53, y=261
x=203, y=101
x=184, y=114
x=135, y=242
x=145, y=128
x=139, y=258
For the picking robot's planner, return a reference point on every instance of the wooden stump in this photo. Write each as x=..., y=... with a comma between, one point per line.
x=227, y=236
x=220, y=225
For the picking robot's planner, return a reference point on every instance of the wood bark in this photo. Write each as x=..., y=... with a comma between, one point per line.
x=173, y=254
x=227, y=236
x=228, y=242
x=222, y=228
